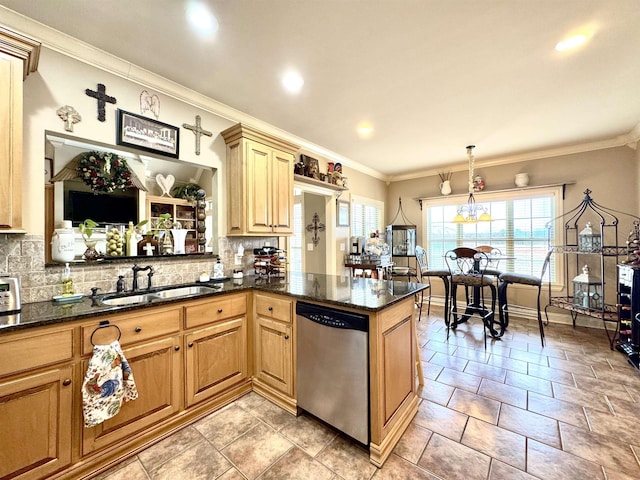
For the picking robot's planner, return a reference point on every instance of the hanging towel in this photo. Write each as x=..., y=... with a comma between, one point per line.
x=107, y=385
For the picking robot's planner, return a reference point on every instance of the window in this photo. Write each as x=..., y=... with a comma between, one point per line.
x=367, y=216
x=518, y=228
x=296, y=240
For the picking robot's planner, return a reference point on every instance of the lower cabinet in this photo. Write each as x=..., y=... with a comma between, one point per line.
x=216, y=359
x=156, y=366
x=274, y=355
x=274, y=352
x=36, y=410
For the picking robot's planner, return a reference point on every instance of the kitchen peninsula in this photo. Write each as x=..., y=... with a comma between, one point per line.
x=174, y=347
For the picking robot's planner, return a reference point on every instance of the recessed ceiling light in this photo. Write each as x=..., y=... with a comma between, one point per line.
x=571, y=42
x=292, y=82
x=365, y=129
x=201, y=18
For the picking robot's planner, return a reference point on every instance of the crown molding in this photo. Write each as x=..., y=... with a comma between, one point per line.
x=67, y=45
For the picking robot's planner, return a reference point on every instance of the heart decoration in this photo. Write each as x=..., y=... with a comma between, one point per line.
x=165, y=183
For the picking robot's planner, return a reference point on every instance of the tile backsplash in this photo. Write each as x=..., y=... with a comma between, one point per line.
x=22, y=256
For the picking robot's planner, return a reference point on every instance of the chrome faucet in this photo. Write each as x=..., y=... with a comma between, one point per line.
x=137, y=269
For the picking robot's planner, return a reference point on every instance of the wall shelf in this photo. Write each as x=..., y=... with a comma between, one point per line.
x=318, y=183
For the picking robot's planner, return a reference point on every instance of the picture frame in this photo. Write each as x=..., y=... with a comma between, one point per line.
x=342, y=213
x=146, y=134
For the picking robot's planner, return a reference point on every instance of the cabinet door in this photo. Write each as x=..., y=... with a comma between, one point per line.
x=274, y=354
x=216, y=359
x=156, y=368
x=282, y=192
x=258, y=188
x=10, y=142
x=35, y=421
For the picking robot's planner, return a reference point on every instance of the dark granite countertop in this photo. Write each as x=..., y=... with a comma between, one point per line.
x=339, y=291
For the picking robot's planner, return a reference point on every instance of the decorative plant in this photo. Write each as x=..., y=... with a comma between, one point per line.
x=187, y=191
x=86, y=228
x=444, y=176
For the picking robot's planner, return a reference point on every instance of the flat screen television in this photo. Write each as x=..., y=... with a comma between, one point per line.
x=104, y=209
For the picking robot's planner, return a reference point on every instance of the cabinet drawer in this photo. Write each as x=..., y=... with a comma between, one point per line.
x=209, y=311
x=277, y=308
x=23, y=352
x=136, y=326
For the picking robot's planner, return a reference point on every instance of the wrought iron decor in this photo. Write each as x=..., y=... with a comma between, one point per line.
x=315, y=226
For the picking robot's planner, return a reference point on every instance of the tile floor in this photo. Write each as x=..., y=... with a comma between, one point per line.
x=513, y=411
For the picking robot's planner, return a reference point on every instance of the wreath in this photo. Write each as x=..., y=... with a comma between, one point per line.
x=104, y=171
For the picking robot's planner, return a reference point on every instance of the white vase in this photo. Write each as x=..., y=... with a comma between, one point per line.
x=445, y=187
x=522, y=179
x=63, y=244
x=179, y=236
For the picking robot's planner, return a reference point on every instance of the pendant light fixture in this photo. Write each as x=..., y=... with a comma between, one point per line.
x=471, y=212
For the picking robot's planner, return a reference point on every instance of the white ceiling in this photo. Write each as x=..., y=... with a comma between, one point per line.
x=431, y=76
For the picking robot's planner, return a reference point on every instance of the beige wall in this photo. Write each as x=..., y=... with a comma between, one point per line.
x=611, y=174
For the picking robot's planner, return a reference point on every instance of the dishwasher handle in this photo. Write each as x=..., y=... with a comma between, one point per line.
x=332, y=317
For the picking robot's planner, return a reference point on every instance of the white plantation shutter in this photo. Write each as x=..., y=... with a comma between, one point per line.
x=367, y=215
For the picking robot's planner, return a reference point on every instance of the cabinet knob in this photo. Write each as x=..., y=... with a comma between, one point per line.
x=286, y=337
x=138, y=329
x=66, y=382
x=270, y=309
x=190, y=344
x=176, y=348
x=219, y=310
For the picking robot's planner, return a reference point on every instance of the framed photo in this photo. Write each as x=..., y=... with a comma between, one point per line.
x=342, y=217
x=146, y=134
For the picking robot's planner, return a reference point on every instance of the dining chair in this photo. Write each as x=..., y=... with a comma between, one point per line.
x=467, y=267
x=510, y=278
x=492, y=268
x=424, y=274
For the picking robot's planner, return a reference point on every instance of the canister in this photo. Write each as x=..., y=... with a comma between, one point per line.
x=63, y=243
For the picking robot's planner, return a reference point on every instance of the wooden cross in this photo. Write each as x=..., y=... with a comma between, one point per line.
x=316, y=227
x=103, y=98
x=198, y=132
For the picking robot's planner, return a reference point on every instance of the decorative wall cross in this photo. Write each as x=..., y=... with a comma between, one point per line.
x=198, y=132
x=102, y=97
x=316, y=227
x=69, y=116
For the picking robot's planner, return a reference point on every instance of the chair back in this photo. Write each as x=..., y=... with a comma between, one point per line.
x=545, y=265
x=422, y=262
x=490, y=251
x=466, y=261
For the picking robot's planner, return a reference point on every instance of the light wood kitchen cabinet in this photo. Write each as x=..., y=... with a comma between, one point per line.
x=273, y=349
x=18, y=57
x=156, y=366
x=216, y=359
x=37, y=387
x=35, y=421
x=259, y=182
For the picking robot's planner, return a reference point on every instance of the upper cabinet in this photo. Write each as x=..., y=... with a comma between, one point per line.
x=259, y=182
x=18, y=57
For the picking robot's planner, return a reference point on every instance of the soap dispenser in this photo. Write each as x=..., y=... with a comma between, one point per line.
x=67, y=282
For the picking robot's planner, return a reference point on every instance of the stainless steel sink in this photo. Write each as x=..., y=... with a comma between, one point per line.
x=183, y=291
x=129, y=299
x=157, y=295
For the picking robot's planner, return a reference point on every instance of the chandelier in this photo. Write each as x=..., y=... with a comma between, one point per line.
x=472, y=212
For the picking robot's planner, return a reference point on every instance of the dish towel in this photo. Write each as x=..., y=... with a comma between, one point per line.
x=107, y=385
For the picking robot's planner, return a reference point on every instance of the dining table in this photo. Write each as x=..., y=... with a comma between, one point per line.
x=475, y=306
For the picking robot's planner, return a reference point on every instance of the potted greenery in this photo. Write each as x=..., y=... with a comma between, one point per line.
x=86, y=230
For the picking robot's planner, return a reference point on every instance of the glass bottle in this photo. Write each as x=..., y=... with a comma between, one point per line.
x=67, y=282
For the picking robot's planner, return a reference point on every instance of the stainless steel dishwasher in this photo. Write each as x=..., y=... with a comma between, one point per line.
x=333, y=367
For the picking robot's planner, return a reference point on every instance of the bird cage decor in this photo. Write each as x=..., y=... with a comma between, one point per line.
x=588, y=240
x=587, y=290
x=401, y=237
